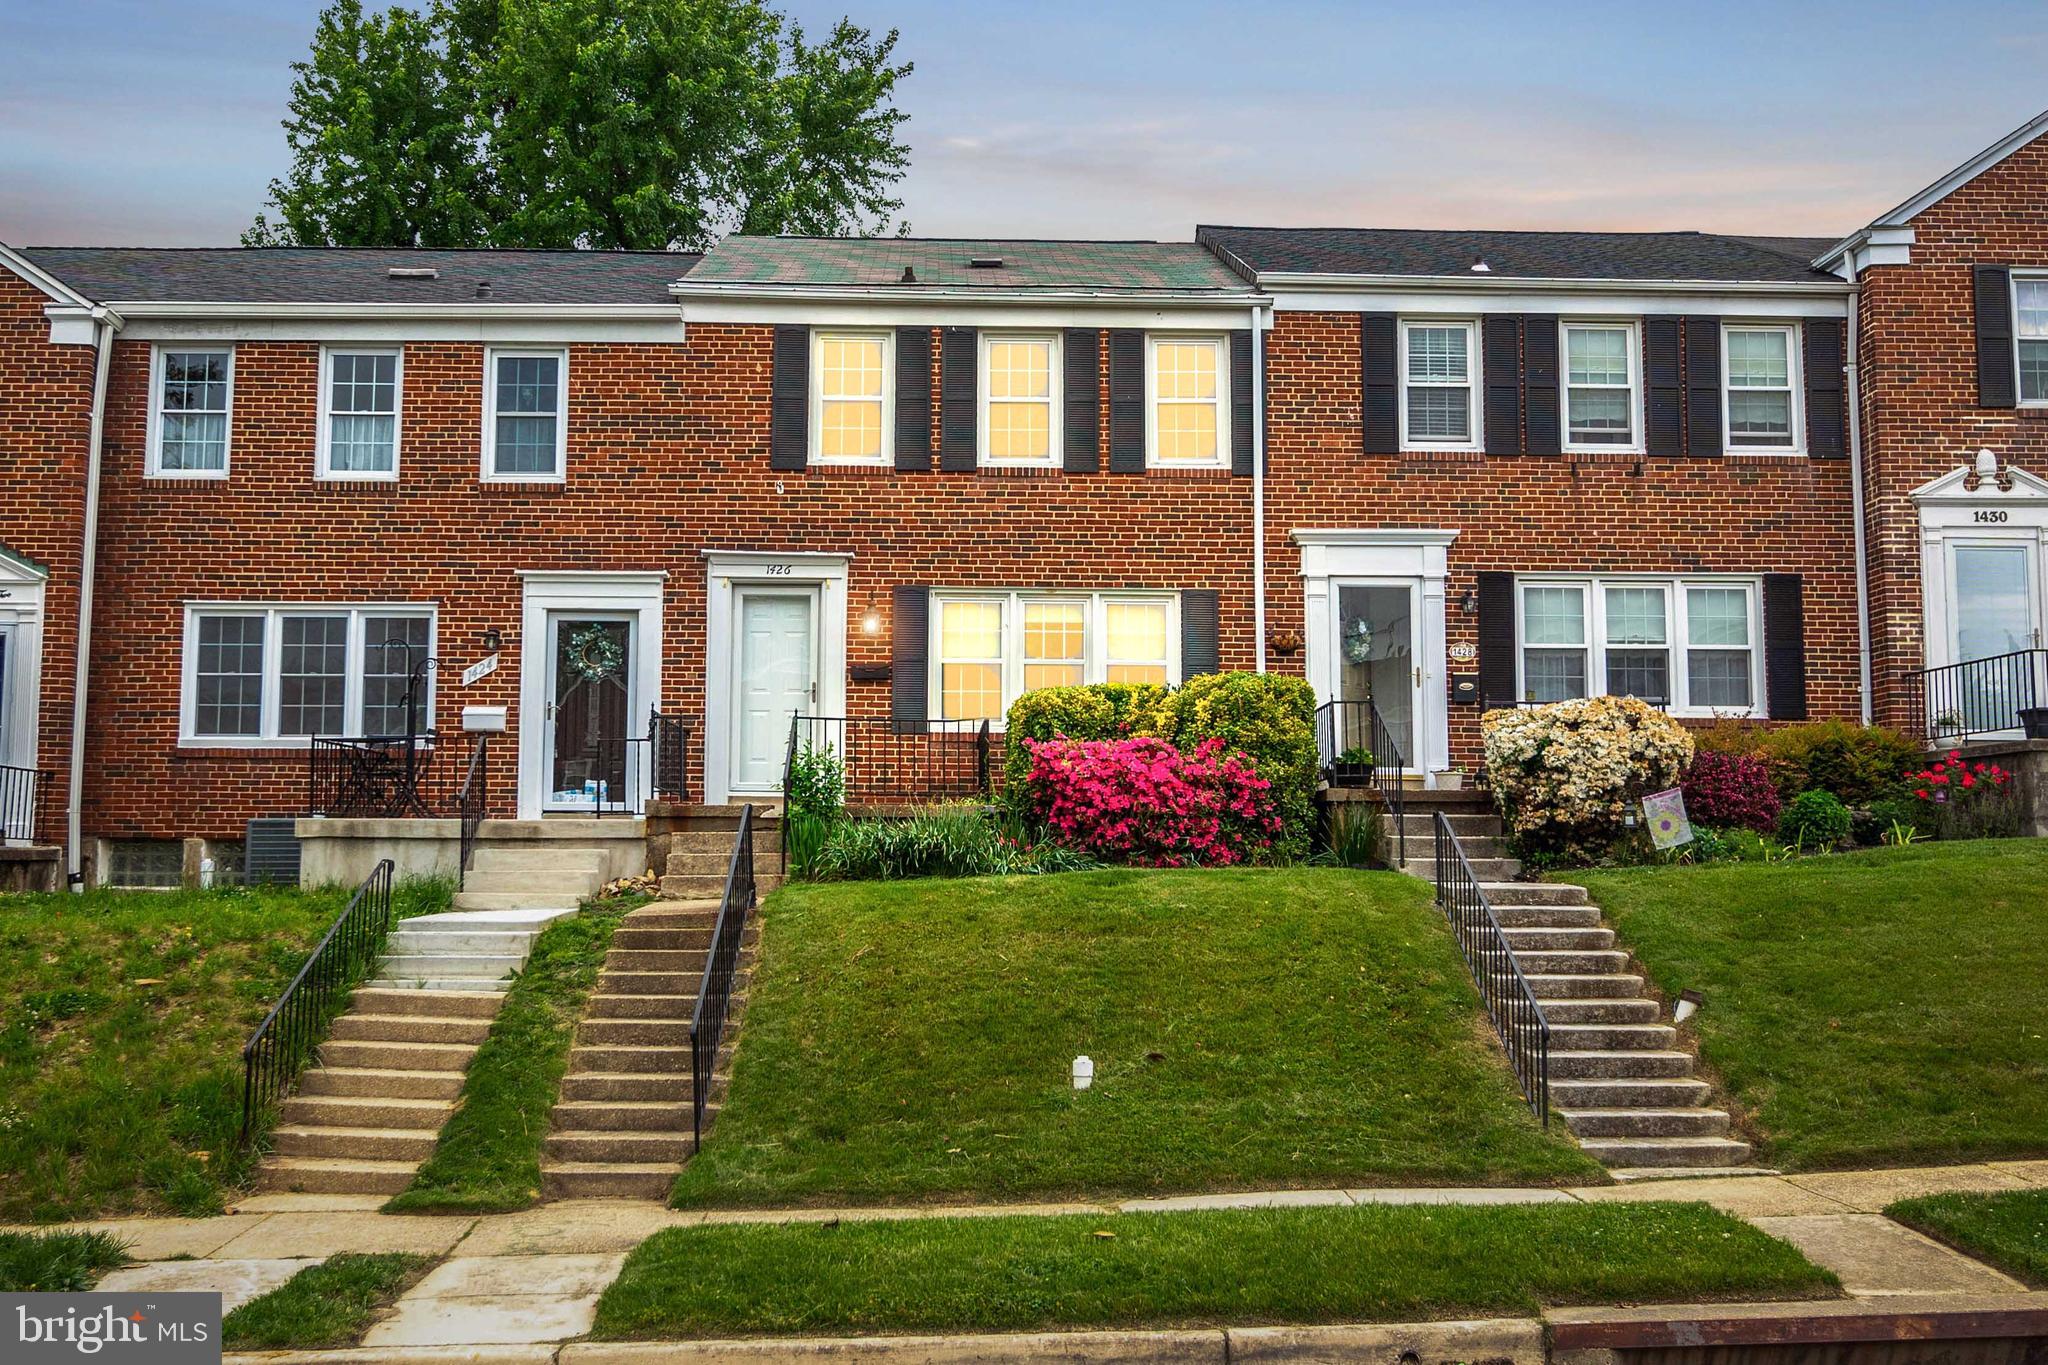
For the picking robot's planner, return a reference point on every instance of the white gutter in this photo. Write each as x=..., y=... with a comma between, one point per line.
x=1854, y=397
x=686, y=289
x=1259, y=489
x=1523, y=284
x=199, y=308
x=105, y=324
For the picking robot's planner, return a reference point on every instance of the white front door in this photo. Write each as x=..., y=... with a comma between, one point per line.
x=775, y=677
x=1374, y=639
x=589, y=717
x=1994, y=614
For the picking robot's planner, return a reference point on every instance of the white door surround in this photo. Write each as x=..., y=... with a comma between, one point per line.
x=730, y=574
x=1331, y=559
x=1996, y=513
x=631, y=596
x=21, y=617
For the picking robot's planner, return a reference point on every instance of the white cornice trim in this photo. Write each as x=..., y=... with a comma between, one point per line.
x=1378, y=535
x=778, y=556
x=898, y=294
x=1279, y=282
x=1952, y=490
x=157, y=308
x=1904, y=212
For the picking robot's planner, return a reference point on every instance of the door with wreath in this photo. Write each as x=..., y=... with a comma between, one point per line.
x=590, y=703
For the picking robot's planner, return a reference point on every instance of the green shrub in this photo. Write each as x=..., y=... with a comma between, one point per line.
x=803, y=837
x=817, y=782
x=1096, y=711
x=1870, y=824
x=1567, y=775
x=1269, y=718
x=953, y=840
x=1856, y=764
x=1354, y=835
x=1816, y=820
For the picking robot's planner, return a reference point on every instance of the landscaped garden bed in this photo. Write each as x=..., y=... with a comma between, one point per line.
x=912, y=1041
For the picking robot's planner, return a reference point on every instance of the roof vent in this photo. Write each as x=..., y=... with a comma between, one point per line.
x=1480, y=267
x=483, y=289
x=985, y=263
x=909, y=275
x=413, y=272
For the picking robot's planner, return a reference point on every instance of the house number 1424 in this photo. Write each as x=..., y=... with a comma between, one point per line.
x=1983, y=516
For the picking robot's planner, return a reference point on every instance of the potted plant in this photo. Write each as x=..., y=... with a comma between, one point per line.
x=2034, y=721
x=1352, y=768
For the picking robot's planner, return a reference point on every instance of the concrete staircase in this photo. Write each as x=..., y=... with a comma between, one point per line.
x=1618, y=1077
x=694, y=858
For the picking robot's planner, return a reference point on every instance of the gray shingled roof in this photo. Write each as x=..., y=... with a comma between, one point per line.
x=1126, y=267
x=358, y=274
x=1523, y=255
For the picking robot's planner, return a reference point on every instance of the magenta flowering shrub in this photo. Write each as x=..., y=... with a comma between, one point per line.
x=1146, y=802
x=1731, y=789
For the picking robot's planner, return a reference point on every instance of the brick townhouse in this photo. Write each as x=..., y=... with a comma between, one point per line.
x=893, y=483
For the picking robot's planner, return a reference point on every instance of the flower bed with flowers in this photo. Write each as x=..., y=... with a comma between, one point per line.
x=1145, y=802
x=1967, y=800
x=1568, y=775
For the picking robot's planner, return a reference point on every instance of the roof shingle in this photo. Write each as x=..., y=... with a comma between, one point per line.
x=1101, y=267
x=1522, y=255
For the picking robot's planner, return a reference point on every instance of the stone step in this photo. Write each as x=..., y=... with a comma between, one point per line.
x=365, y=1111
x=538, y=885
x=538, y=857
x=327, y=1175
x=601, y=1145
x=1473, y=824
x=474, y=985
x=1547, y=916
x=1621, y=1093
x=1625, y=1064
x=709, y=862
x=422, y=966
x=1597, y=1011
x=1422, y=845
x=673, y=914
x=635, y=1032
x=636, y=1116
x=1488, y=870
x=629, y=1087
x=458, y=940
x=1581, y=985
x=658, y=936
x=655, y=959
x=767, y=840
x=1548, y=939
x=640, y=1007
x=355, y=1144
x=441, y=1004
x=555, y=828
x=397, y=1056
x=650, y=983
x=1610, y=1037
x=1667, y=1151
x=634, y=1059
x=379, y=1083
x=1533, y=893
x=1646, y=1122
x=1589, y=962
x=608, y=1180
x=409, y=1028
x=512, y=900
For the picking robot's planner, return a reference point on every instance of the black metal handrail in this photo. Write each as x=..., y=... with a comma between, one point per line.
x=1516, y=1013
x=1345, y=727
x=1981, y=696
x=21, y=796
x=669, y=756
x=714, y=994
x=474, y=802
x=894, y=760
x=281, y=1044
x=378, y=777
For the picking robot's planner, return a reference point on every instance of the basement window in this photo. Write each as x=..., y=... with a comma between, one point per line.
x=145, y=864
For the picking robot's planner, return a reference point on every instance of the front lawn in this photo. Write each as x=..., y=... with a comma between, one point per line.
x=323, y=1306
x=2009, y=1230
x=1013, y=1274
x=911, y=1041
x=1872, y=1008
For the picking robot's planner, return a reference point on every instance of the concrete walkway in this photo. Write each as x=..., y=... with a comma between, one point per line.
x=529, y=1280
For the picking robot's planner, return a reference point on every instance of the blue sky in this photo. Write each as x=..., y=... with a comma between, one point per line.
x=157, y=123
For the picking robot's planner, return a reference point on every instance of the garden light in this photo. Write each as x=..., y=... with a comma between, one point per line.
x=1689, y=1003
x=1084, y=1072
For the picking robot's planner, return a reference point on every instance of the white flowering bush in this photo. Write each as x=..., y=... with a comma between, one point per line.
x=1565, y=775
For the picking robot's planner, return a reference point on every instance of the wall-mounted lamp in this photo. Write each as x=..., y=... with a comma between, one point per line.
x=871, y=616
x=1468, y=601
x=494, y=639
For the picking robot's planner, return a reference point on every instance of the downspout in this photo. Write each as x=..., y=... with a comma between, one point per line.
x=1855, y=397
x=1258, y=492
x=104, y=327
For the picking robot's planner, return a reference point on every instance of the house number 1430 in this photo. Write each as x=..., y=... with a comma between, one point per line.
x=1982, y=516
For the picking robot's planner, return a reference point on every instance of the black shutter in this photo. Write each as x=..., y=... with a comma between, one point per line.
x=909, y=669
x=959, y=439
x=1539, y=383
x=1496, y=639
x=1664, y=428
x=1126, y=402
x=1996, y=385
x=1784, y=647
x=1501, y=355
x=913, y=398
x=789, y=400
x=1703, y=386
x=1080, y=394
x=1823, y=364
x=1199, y=651
x=1241, y=402
x=1379, y=396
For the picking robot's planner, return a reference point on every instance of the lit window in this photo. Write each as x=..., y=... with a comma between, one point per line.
x=1554, y=643
x=991, y=648
x=189, y=420
x=1620, y=637
x=1019, y=393
x=971, y=660
x=852, y=397
x=1055, y=644
x=269, y=674
x=359, y=421
x=1758, y=365
x=1188, y=397
x=526, y=415
x=1136, y=648
x=1437, y=395
x=2030, y=327
x=1600, y=400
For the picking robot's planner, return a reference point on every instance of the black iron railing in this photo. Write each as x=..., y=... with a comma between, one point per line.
x=1980, y=697
x=1358, y=750
x=721, y=963
x=282, y=1043
x=474, y=802
x=668, y=756
x=637, y=767
x=21, y=803
x=897, y=761
x=1516, y=1013
x=378, y=777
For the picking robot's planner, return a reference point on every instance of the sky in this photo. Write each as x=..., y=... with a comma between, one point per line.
x=127, y=123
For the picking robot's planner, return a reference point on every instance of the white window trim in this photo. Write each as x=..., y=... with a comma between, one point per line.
x=1676, y=631
x=153, y=464
x=273, y=650
x=1095, y=666
x=492, y=355
x=1475, y=438
x=321, y=469
x=1634, y=352
x=2017, y=278
x=1795, y=376
x=1054, y=401
x=817, y=398
x=1222, y=344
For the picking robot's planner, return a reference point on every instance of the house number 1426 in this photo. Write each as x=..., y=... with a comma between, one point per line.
x=1983, y=516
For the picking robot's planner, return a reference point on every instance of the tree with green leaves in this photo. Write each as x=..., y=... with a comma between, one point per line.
x=645, y=124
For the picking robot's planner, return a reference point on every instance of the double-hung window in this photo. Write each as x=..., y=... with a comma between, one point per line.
x=279, y=674
x=1600, y=386
x=1019, y=396
x=991, y=648
x=2030, y=334
x=851, y=397
x=1188, y=395
x=192, y=392
x=1688, y=645
x=526, y=415
x=1760, y=376
x=360, y=392
x=1437, y=385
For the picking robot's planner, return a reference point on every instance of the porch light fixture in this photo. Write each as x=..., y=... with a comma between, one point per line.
x=1469, y=601
x=871, y=616
x=1688, y=1005
x=494, y=639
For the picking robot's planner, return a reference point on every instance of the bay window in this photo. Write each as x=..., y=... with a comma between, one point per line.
x=280, y=674
x=1759, y=388
x=991, y=648
x=1437, y=385
x=1019, y=395
x=191, y=392
x=359, y=405
x=2030, y=333
x=1188, y=395
x=1686, y=645
x=1600, y=386
x=850, y=397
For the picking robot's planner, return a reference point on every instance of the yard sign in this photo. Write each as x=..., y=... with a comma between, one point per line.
x=1665, y=812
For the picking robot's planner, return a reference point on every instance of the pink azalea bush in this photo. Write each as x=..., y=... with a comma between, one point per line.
x=1143, y=801
x=1731, y=789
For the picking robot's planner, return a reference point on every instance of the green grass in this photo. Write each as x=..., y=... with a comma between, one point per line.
x=1873, y=1008
x=1012, y=1274
x=488, y=1160
x=57, y=1262
x=911, y=1041
x=324, y=1305
x=2009, y=1231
